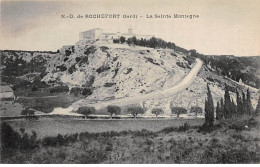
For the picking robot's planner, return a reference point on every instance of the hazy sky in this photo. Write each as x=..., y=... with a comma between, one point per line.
x=223, y=27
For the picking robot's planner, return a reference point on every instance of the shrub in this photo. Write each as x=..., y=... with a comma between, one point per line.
x=104, y=48
x=28, y=112
x=65, y=59
x=67, y=52
x=62, y=67
x=87, y=91
x=184, y=127
x=169, y=129
x=72, y=69
x=157, y=111
x=113, y=110
x=135, y=110
x=178, y=111
x=89, y=50
x=109, y=84
x=102, y=69
x=75, y=91
x=59, y=89
x=180, y=64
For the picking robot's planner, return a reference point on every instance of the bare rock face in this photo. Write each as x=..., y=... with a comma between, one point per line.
x=111, y=72
x=118, y=71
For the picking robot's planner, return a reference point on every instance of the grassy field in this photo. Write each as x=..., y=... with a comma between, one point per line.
x=229, y=141
x=55, y=126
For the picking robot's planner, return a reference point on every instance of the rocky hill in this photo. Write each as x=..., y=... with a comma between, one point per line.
x=103, y=71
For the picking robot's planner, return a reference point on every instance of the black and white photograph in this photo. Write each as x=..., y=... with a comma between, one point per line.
x=130, y=82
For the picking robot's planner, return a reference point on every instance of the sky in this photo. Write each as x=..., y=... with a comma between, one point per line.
x=223, y=27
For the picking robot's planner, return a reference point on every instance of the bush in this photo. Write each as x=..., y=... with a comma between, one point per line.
x=102, y=69
x=59, y=89
x=76, y=91
x=184, y=127
x=180, y=64
x=67, y=52
x=72, y=69
x=178, y=111
x=87, y=91
x=28, y=112
x=109, y=84
x=104, y=48
x=89, y=50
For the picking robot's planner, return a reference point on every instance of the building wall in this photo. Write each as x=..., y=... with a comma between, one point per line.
x=98, y=34
x=91, y=34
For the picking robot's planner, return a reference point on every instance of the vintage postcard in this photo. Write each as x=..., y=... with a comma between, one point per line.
x=130, y=82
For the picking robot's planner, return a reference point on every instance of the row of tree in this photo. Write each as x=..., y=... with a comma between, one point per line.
x=152, y=42
x=116, y=110
x=227, y=108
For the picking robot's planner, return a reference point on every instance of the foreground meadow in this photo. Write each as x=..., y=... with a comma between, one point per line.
x=230, y=141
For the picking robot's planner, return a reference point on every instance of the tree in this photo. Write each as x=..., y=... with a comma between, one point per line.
x=86, y=110
x=122, y=39
x=257, y=110
x=221, y=109
x=239, y=104
x=249, y=103
x=227, y=103
x=218, y=111
x=196, y=110
x=113, y=110
x=244, y=104
x=209, y=109
x=135, y=110
x=28, y=112
x=157, y=111
x=178, y=111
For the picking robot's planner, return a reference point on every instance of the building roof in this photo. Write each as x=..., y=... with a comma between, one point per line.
x=4, y=89
x=92, y=29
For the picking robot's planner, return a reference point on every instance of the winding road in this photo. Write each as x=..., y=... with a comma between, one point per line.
x=160, y=94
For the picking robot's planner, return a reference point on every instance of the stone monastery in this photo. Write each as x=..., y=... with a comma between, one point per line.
x=98, y=33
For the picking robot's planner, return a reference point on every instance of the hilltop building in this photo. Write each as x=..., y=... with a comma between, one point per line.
x=98, y=33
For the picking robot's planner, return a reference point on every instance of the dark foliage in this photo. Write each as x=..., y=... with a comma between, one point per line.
x=67, y=52
x=113, y=110
x=59, y=89
x=109, y=84
x=62, y=67
x=72, y=69
x=209, y=109
x=102, y=69
x=86, y=110
x=135, y=110
x=157, y=111
x=90, y=50
x=151, y=61
x=178, y=110
x=104, y=48
x=196, y=109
